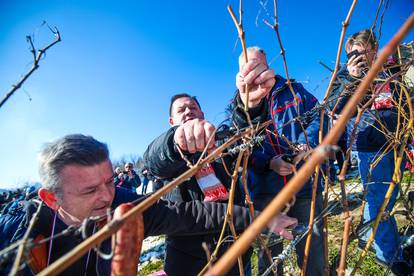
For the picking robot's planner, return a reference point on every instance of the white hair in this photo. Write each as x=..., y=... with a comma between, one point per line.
x=251, y=49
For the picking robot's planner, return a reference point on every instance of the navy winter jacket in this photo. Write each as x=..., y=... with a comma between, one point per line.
x=280, y=107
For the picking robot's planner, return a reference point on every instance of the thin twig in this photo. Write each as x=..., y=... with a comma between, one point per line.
x=35, y=65
x=240, y=31
x=22, y=246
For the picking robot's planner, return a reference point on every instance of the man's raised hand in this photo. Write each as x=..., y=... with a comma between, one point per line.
x=193, y=135
x=259, y=78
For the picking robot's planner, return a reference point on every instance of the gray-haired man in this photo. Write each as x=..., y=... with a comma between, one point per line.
x=77, y=183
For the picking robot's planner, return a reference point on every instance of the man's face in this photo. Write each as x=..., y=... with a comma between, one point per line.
x=366, y=51
x=85, y=191
x=128, y=168
x=183, y=110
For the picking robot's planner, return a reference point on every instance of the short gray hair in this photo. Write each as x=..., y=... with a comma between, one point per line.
x=73, y=149
x=252, y=49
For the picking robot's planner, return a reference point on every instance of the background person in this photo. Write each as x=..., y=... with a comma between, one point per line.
x=371, y=140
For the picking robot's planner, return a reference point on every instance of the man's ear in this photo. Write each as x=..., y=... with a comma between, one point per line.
x=49, y=198
x=170, y=120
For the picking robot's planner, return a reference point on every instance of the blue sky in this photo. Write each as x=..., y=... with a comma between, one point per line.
x=119, y=63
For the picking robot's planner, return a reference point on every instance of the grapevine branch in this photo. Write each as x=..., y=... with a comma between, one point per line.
x=318, y=156
x=36, y=59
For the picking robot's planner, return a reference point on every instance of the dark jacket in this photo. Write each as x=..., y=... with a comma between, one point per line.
x=164, y=162
x=281, y=109
x=185, y=255
x=131, y=183
x=369, y=135
x=164, y=217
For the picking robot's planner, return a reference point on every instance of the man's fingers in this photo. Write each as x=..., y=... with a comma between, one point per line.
x=190, y=139
x=264, y=88
x=253, y=74
x=259, y=78
x=289, y=221
x=351, y=59
x=199, y=136
x=359, y=60
x=240, y=83
x=279, y=224
x=281, y=167
x=265, y=76
x=267, y=86
x=290, y=168
x=354, y=60
x=179, y=138
x=303, y=147
x=362, y=64
x=285, y=172
x=248, y=67
x=287, y=166
x=209, y=134
x=286, y=169
x=193, y=135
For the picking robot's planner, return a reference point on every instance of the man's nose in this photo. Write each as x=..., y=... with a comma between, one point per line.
x=187, y=110
x=107, y=193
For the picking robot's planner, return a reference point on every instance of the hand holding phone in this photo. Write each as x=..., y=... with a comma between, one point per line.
x=356, y=63
x=281, y=166
x=288, y=158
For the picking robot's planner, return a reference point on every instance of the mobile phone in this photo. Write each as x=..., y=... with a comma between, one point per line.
x=353, y=53
x=288, y=158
